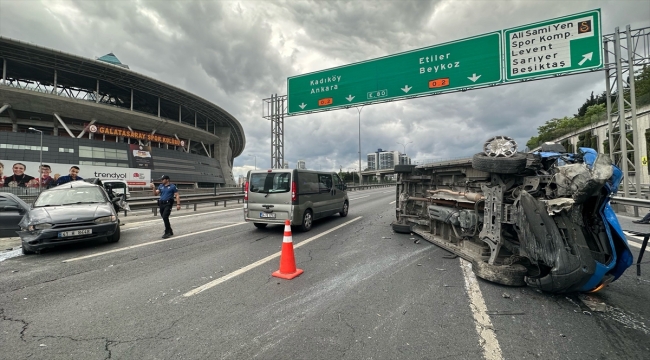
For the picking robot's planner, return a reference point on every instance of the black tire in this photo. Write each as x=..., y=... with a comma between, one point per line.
x=344, y=211
x=27, y=250
x=401, y=228
x=260, y=225
x=115, y=237
x=307, y=221
x=405, y=169
x=499, y=165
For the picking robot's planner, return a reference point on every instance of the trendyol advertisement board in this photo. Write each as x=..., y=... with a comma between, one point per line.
x=22, y=176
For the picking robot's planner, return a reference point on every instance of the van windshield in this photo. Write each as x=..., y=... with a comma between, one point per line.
x=270, y=183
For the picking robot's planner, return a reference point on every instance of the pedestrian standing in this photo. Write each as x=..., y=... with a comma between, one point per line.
x=168, y=193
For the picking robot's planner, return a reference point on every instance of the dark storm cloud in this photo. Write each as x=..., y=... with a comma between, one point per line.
x=235, y=53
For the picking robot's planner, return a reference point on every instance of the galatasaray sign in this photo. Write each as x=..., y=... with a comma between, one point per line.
x=133, y=134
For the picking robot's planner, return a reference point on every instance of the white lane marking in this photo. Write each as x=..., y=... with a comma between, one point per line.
x=183, y=216
x=360, y=197
x=392, y=202
x=260, y=262
x=488, y=339
x=150, y=243
x=634, y=244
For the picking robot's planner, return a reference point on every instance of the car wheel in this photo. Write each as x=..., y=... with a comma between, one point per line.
x=500, y=165
x=27, y=250
x=344, y=212
x=115, y=237
x=260, y=225
x=307, y=220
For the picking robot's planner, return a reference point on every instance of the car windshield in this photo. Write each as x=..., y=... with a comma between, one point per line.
x=270, y=182
x=57, y=197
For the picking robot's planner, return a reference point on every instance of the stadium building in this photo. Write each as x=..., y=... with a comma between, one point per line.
x=109, y=120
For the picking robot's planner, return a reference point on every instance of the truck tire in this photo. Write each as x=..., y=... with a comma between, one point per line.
x=499, y=165
x=401, y=228
x=404, y=169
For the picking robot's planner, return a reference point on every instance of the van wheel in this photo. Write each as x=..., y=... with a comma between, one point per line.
x=344, y=212
x=307, y=220
x=260, y=225
x=115, y=237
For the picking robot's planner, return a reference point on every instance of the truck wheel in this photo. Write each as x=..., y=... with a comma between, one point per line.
x=500, y=165
x=260, y=225
x=307, y=220
x=401, y=228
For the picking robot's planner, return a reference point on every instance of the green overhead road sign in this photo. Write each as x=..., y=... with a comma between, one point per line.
x=567, y=44
x=460, y=64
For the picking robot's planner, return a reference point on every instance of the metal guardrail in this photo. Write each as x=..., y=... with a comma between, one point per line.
x=187, y=200
x=636, y=203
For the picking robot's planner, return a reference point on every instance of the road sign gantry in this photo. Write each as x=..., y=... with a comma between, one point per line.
x=460, y=64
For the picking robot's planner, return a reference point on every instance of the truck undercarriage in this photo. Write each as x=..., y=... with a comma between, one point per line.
x=541, y=219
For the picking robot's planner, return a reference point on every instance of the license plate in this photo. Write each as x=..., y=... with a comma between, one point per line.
x=75, y=233
x=267, y=215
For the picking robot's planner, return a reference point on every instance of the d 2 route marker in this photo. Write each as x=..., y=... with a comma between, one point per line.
x=561, y=45
x=460, y=64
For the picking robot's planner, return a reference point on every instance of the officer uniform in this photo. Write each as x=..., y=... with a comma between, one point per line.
x=165, y=203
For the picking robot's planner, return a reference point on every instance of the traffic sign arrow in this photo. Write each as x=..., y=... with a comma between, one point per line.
x=474, y=77
x=586, y=57
x=302, y=106
x=350, y=97
x=406, y=88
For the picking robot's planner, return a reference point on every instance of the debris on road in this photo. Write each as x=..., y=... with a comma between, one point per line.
x=593, y=303
x=505, y=312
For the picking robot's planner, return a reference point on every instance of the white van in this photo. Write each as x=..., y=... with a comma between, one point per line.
x=119, y=186
x=302, y=196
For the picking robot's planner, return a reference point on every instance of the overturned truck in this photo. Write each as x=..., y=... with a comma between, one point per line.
x=541, y=219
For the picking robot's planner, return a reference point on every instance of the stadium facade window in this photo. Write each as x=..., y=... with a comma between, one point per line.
x=101, y=153
x=22, y=147
x=102, y=163
x=64, y=150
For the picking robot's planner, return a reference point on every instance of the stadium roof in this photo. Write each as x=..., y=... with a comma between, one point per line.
x=23, y=52
x=112, y=59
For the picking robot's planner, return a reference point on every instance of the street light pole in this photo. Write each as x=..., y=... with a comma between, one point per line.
x=359, y=110
x=40, y=155
x=404, y=145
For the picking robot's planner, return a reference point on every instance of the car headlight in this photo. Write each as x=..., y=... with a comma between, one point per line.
x=106, y=219
x=39, y=226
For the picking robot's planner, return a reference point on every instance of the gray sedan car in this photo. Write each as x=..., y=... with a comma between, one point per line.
x=76, y=211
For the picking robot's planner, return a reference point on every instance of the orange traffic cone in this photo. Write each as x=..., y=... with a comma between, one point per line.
x=287, y=261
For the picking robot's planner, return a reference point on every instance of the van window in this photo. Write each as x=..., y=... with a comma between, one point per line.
x=307, y=183
x=270, y=183
x=325, y=182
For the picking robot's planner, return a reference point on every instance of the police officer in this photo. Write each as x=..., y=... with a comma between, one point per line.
x=168, y=192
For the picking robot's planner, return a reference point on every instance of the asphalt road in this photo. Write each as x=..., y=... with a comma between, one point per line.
x=366, y=293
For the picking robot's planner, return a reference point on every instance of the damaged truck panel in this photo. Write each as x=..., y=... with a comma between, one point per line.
x=541, y=219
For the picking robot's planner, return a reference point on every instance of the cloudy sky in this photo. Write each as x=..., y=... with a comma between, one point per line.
x=236, y=53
